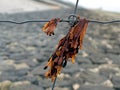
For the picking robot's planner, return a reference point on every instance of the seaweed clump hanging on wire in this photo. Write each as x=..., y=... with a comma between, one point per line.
x=67, y=47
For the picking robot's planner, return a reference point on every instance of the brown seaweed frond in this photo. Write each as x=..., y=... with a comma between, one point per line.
x=67, y=48
x=50, y=26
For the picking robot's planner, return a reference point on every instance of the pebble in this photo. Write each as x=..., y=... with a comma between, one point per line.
x=21, y=66
x=76, y=86
x=98, y=87
x=116, y=81
x=5, y=85
x=19, y=83
x=91, y=77
x=25, y=87
x=108, y=83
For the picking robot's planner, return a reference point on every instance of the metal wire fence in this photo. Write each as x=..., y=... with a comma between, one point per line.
x=71, y=19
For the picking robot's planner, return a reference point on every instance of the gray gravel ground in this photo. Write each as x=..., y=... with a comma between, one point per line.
x=24, y=50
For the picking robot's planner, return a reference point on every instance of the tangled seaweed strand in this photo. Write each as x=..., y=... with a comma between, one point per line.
x=67, y=47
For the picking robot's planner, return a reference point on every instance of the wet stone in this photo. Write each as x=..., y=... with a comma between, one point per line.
x=82, y=60
x=116, y=81
x=97, y=59
x=7, y=76
x=115, y=58
x=83, y=67
x=71, y=68
x=95, y=88
x=45, y=83
x=107, y=72
x=31, y=78
x=38, y=70
x=29, y=62
x=26, y=87
x=92, y=77
x=4, y=67
x=113, y=51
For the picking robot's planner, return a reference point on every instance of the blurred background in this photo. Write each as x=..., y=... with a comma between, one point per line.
x=25, y=49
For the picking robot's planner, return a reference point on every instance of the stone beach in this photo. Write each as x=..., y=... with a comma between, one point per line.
x=25, y=49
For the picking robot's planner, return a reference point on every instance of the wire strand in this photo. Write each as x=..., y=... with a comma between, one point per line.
x=33, y=21
x=53, y=85
x=75, y=10
x=104, y=22
x=28, y=21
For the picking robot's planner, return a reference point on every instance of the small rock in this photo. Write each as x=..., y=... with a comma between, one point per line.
x=107, y=72
x=6, y=67
x=30, y=48
x=116, y=81
x=21, y=72
x=92, y=77
x=97, y=58
x=76, y=86
x=10, y=75
x=108, y=83
x=29, y=62
x=95, y=88
x=63, y=83
x=31, y=78
x=105, y=42
x=63, y=88
x=84, y=54
x=45, y=83
x=115, y=58
x=83, y=67
x=38, y=70
x=15, y=84
x=113, y=51
x=25, y=87
x=21, y=66
x=82, y=60
x=94, y=70
x=5, y=85
x=71, y=68
x=59, y=88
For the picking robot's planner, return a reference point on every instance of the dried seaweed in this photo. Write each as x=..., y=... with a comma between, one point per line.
x=67, y=47
x=50, y=26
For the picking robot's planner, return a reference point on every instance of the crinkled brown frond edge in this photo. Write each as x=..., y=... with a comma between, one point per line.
x=67, y=48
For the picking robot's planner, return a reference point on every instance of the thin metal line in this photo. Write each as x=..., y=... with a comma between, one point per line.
x=28, y=21
x=54, y=83
x=75, y=10
x=104, y=22
x=32, y=21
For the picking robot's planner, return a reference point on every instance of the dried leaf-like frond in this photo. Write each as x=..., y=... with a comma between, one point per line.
x=67, y=48
x=50, y=26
